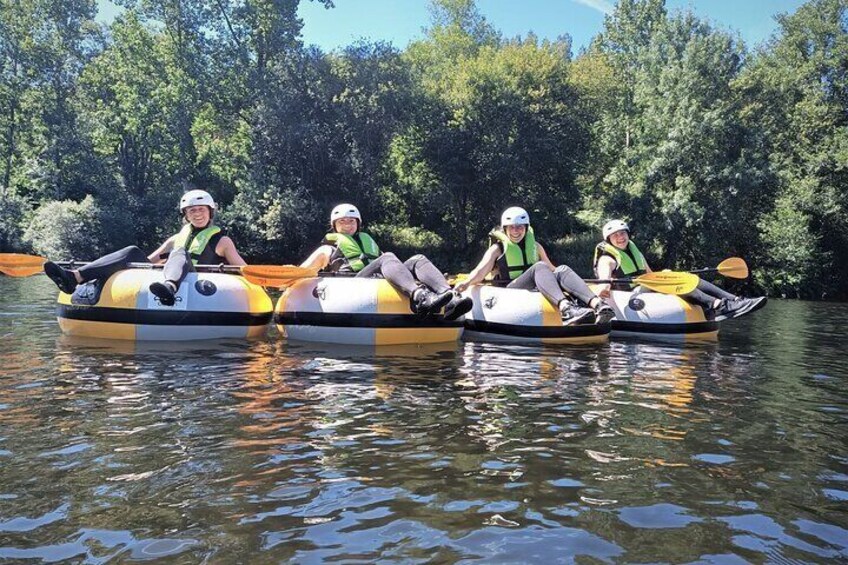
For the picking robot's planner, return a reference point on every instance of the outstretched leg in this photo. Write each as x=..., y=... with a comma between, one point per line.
x=541, y=277
x=176, y=268
x=422, y=300
x=571, y=283
x=101, y=268
x=424, y=270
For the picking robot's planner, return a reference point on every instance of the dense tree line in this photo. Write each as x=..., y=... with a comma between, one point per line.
x=707, y=147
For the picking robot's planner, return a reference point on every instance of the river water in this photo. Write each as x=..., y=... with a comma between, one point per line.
x=268, y=452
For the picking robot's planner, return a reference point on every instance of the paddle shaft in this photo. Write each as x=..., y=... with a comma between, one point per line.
x=198, y=268
x=705, y=270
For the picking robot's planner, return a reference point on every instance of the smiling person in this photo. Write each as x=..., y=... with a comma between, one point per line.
x=517, y=258
x=617, y=256
x=347, y=249
x=199, y=241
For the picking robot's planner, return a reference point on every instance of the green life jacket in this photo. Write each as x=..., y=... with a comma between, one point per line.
x=516, y=258
x=196, y=244
x=629, y=262
x=358, y=249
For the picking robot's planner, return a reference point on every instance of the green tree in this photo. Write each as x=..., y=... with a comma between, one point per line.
x=675, y=158
x=42, y=152
x=499, y=124
x=796, y=93
x=138, y=105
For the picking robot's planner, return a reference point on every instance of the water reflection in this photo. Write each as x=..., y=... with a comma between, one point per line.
x=260, y=451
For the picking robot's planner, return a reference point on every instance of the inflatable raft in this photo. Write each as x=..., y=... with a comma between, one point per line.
x=523, y=316
x=659, y=316
x=356, y=311
x=208, y=306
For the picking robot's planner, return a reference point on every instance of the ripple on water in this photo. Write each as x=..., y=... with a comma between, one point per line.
x=658, y=516
x=714, y=458
x=246, y=452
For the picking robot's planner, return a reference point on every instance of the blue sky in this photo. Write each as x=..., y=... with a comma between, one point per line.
x=400, y=21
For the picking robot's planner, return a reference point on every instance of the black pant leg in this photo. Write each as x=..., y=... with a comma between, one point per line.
x=393, y=271
x=713, y=290
x=541, y=277
x=571, y=283
x=424, y=270
x=108, y=265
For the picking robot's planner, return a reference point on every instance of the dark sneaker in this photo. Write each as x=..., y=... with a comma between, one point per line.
x=754, y=304
x=731, y=308
x=739, y=307
x=63, y=278
x=604, y=314
x=165, y=292
x=458, y=306
x=424, y=301
x=573, y=314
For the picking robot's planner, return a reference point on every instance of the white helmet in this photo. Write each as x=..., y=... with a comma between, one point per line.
x=515, y=216
x=344, y=211
x=196, y=198
x=613, y=226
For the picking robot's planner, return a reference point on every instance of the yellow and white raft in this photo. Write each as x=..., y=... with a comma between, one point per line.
x=523, y=316
x=356, y=311
x=659, y=316
x=208, y=306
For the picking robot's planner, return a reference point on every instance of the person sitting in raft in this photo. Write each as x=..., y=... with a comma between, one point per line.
x=198, y=242
x=617, y=256
x=517, y=258
x=347, y=249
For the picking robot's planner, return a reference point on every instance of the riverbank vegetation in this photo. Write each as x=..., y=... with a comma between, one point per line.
x=709, y=147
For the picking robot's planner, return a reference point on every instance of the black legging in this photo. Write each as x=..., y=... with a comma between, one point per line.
x=552, y=283
x=706, y=294
x=175, y=269
x=403, y=275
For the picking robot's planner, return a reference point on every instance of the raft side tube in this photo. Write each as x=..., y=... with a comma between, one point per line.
x=208, y=306
x=356, y=311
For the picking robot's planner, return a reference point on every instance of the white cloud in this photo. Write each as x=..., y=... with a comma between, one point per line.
x=599, y=5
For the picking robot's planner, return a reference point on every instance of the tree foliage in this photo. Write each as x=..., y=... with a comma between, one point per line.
x=707, y=148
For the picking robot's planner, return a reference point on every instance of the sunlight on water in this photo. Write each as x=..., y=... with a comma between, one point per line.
x=268, y=451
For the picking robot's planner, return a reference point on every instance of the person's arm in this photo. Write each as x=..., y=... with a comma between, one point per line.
x=319, y=259
x=483, y=268
x=166, y=247
x=606, y=265
x=227, y=249
x=543, y=256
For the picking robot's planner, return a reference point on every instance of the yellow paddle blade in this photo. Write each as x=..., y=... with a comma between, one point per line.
x=20, y=265
x=669, y=282
x=278, y=276
x=734, y=268
x=457, y=278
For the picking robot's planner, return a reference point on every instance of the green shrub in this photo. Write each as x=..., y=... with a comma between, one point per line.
x=12, y=210
x=576, y=251
x=66, y=229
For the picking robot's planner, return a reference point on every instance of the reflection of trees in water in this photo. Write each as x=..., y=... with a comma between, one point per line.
x=277, y=443
x=333, y=421
x=437, y=443
x=789, y=428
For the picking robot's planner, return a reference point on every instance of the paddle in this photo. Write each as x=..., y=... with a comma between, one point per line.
x=666, y=282
x=279, y=276
x=733, y=267
x=20, y=265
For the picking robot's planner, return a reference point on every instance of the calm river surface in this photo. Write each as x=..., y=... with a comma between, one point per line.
x=267, y=452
